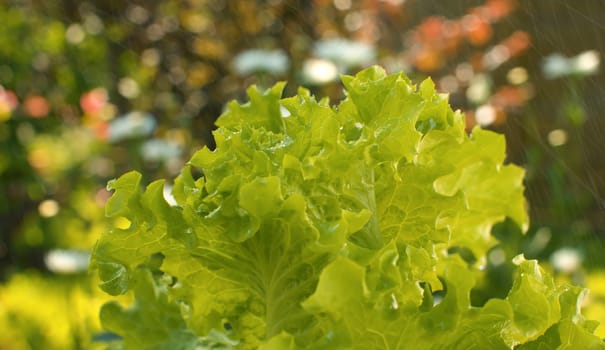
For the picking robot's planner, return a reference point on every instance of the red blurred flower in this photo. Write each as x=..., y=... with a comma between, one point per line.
x=36, y=106
x=94, y=100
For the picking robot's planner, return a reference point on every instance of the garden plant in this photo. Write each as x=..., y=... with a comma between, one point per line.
x=361, y=225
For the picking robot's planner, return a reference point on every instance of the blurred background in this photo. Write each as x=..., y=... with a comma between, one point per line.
x=92, y=89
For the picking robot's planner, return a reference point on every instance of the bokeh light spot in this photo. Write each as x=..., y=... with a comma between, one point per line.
x=497, y=257
x=479, y=89
x=517, y=76
x=496, y=56
x=588, y=61
x=195, y=22
x=128, y=88
x=41, y=62
x=318, y=71
x=155, y=32
x=151, y=57
x=557, y=137
x=137, y=14
x=93, y=24
x=566, y=260
x=48, y=208
x=342, y=5
x=75, y=34
x=353, y=21
x=485, y=115
x=66, y=261
x=449, y=84
x=464, y=72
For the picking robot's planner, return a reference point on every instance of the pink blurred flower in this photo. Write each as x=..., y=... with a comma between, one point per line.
x=8, y=103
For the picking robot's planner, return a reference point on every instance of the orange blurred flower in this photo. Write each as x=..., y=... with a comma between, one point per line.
x=511, y=96
x=431, y=29
x=452, y=34
x=478, y=30
x=498, y=9
x=428, y=59
x=517, y=43
x=101, y=129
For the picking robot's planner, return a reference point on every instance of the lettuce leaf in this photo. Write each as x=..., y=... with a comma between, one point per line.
x=154, y=322
x=331, y=227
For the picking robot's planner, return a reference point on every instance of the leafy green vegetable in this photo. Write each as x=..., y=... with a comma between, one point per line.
x=331, y=228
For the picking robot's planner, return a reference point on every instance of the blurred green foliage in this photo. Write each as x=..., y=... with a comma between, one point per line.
x=92, y=89
x=42, y=312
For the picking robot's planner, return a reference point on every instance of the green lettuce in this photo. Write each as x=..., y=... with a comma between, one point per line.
x=314, y=226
